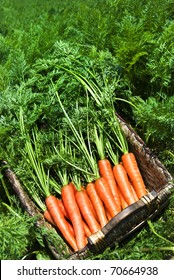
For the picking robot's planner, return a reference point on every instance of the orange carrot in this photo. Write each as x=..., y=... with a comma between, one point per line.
x=49, y=219
x=106, y=196
x=131, y=167
x=121, y=176
x=124, y=183
x=83, y=202
x=97, y=204
x=71, y=206
x=104, y=165
x=59, y=220
x=91, y=204
x=106, y=172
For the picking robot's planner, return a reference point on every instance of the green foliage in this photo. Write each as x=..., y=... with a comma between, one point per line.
x=138, y=34
x=155, y=118
x=17, y=232
x=163, y=53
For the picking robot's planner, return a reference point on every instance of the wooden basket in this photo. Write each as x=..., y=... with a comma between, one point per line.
x=157, y=180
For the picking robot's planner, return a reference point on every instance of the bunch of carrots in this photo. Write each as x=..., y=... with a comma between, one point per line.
x=79, y=211
x=113, y=183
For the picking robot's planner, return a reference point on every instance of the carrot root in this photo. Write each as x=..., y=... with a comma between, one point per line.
x=86, y=211
x=106, y=171
x=71, y=206
x=59, y=220
x=97, y=204
x=131, y=167
x=106, y=196
x=124, y=183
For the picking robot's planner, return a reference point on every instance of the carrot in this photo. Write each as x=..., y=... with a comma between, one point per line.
x=49, y=219
x=106, y=196
x=124, y=183
x=121, y=176
x=45, y=211
x=71, y=206
x=91, y=205
x=106, y=172
x=83, y=202
x=97, y=204
x=105, y=168
x=62, y=207
x=131, y=167
x=59, y=220
x=68, y=192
